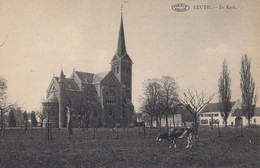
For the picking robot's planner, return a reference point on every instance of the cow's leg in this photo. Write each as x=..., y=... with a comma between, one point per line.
x=174, y=143
x=170, y=144
x=188, y=142
x=191, y=140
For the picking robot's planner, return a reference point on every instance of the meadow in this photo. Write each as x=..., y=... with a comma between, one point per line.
x=20, y=148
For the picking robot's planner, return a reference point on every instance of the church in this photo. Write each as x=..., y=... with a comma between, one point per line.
x=93, y=100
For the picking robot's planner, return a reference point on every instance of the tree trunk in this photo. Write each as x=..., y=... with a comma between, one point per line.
x=166, y=118
x=248, y=120
x=151, y=121
x=196, y=127
x=160, y=123
x=173, y=120
x=157, y=121
x=2, y=125
x=225, y=121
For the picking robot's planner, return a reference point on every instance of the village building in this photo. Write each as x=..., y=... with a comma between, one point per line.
x=93, y=99
x=210, y=114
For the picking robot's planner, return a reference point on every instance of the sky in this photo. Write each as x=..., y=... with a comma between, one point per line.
x=43, y=36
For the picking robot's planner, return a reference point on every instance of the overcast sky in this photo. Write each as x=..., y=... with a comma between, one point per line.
x=45, y=35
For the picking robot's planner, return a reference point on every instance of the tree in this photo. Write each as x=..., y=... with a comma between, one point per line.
x=247, y=86
x=33, y=119
x=194, y=103
x=25, y=120
x=42, y=115
x=170, y=97
x=151, y=101
x=5, y=104
x=224, y=92
x=11, y=119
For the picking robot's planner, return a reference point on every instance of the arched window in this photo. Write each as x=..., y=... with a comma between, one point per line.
x=206, y=121
x=95, y=113
x=117, y=69
x=202, y=122
x=110, y=113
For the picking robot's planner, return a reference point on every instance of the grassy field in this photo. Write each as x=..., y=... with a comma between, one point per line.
x=29, y=149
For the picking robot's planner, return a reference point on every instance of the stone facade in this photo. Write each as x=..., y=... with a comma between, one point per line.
x=95, y=100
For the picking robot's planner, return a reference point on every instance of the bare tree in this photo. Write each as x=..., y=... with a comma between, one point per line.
x=194, y=103
x=41, y=114
x=247, y=86
x=224, y=92
x=169, y=97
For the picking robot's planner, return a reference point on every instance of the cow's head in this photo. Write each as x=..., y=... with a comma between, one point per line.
x=159, y=137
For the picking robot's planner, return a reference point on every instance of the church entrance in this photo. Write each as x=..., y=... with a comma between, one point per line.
x=238, y=121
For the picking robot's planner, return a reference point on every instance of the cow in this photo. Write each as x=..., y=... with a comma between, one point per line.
x=177, y=133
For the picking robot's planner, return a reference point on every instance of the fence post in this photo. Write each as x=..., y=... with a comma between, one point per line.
x=94, y=133
x=241, y=130
x=218, y=130
x=116, y=132
x=144, y=130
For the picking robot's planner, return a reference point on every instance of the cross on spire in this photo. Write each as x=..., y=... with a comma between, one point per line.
x=121, y=48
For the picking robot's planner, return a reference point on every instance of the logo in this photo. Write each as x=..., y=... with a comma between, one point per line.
x=180, y=7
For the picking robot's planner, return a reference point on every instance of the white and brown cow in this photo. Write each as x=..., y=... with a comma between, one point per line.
x=178, y=133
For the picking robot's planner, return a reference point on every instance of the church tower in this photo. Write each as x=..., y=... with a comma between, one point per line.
x=121, y=64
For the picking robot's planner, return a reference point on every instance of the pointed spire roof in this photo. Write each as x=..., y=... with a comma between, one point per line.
x=62, y=76
x=121, y=49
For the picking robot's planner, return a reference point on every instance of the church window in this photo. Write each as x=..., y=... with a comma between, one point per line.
x=110, y=112
x=114, y=70
x=117, y=69
x=95, y=113
x=53, y=113
x=53, y=88
x=124, y=114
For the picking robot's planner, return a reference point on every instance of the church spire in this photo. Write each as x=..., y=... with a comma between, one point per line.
x=121, y=49
x=62, y=76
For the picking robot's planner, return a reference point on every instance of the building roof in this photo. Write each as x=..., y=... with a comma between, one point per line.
x=85, y=76
x=69, y=83
x=100, y=76
x=214, y=107
x=257, y=111
x=239, y=112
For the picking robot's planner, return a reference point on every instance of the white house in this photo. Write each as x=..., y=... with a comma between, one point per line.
x=210, y=114
x=237, y=118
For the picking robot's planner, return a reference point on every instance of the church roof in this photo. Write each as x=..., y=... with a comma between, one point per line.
x=85, y=76
x=121, y=47
x=52, y=98
x=100, y=76
x=69, y=83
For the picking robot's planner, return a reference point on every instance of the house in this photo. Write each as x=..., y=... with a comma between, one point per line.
x=237, y=118
x=210, y=114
